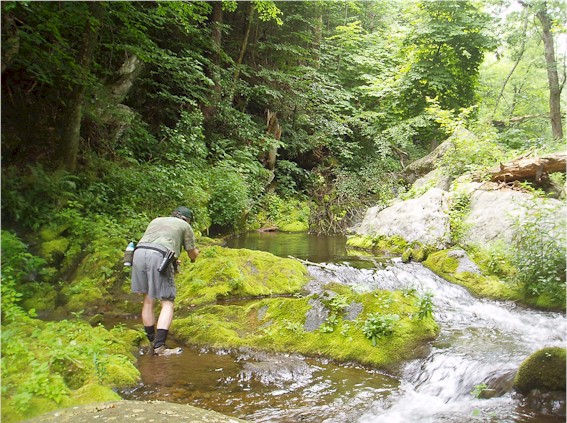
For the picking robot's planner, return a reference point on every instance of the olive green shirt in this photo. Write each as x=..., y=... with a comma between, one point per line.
x=170, y=232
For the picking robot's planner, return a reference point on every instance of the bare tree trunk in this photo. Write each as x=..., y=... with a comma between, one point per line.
x=552, y=75
x=212, y=71
x=244, y=45
x=318, y=36
x=522, y=48
x=129, y=71
x=272, y=128
x=71, y=127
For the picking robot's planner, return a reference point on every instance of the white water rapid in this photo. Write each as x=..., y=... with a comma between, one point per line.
x=480, y=342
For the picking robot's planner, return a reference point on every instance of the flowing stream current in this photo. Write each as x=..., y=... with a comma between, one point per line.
x=480, y=342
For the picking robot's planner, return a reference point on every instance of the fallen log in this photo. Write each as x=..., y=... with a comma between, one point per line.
x=532, y=169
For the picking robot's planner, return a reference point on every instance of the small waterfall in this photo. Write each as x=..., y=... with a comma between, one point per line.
x=481, y=342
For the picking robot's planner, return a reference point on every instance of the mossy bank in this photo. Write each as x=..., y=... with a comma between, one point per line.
x=52, y=365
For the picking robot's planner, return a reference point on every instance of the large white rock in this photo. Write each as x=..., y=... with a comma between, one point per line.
x=422, y=219
x=494, y=214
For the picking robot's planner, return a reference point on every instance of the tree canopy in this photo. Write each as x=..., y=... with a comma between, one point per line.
x=355, y=89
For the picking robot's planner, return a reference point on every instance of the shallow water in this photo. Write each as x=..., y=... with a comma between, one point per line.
x=481, y=341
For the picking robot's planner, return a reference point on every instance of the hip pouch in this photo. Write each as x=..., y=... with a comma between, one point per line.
x=170, y=255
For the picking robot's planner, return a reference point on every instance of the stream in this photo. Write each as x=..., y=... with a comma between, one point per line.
x=480, y=342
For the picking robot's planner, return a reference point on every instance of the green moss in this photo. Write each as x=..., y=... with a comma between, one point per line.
x=479, y=285
x=277, y=324
x=487, y=285
x=406, y=256
x=83, y=294
x=49, y=233
x=420, y=254
x=39, y=297
x=392, y=245
x=54, y=250
x=296, y=226
x=96, y=274
x=50, y=365
x=544, y=370
x=441, y=262
x=221, y=273
x=91, y=393
x=417, y=253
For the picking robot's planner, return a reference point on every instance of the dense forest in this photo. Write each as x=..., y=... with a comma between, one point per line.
x=252, y=113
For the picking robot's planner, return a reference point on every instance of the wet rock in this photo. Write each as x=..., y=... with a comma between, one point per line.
x=129, y=411
x=316, y=315
x=552, y=403
x=465, y=263
x=279, y=369
x=262, y=312
x=352, y=311
x=435, y=178
x=498, y=385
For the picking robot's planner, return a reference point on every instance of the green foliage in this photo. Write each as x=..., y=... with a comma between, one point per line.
x=469, y=153
x=459, y=208
x=229, y=197
x=336, y=306
x=539, y=252
x=50, y=361
x=289, y=215
x=18, y=267
x=479, y=389
x=496, y=259
x=445, y=49
x=378, y=325
x=426, y=306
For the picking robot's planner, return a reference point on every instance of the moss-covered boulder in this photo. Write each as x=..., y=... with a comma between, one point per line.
x=226, y=273
x=454, y=266
x=51, y=365
x=544, y=370
x=279, y=324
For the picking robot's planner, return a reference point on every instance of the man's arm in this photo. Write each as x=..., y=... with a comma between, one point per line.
x=193, y=254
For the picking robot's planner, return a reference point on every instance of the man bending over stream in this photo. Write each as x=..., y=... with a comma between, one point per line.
x=152, y=273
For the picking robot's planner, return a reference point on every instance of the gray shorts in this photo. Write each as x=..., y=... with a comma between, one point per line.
x=147, y=280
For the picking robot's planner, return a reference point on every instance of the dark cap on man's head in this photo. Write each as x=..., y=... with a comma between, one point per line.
x=184, y=211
